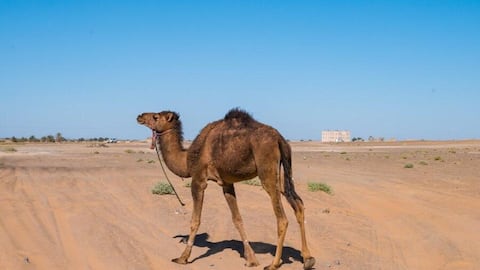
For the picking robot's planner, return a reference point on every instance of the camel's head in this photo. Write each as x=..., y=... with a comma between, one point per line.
x=159, y=122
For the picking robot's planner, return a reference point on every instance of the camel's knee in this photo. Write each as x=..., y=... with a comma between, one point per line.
x=296, y=204
x=298, y=208
x=300, y=215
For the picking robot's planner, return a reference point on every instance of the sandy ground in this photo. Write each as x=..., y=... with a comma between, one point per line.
x=73, y=206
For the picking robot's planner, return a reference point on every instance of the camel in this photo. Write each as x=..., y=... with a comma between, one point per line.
x=227, y=151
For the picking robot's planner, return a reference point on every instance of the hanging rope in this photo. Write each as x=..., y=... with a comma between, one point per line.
x=165, y=173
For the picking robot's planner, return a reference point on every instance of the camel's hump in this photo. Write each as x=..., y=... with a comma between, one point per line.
x=239, y=118
x=238, y=114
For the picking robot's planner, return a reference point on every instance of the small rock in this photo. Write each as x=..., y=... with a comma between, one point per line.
x=26, y=260
x=180, y=212
x=326, y=211
x=337, y=262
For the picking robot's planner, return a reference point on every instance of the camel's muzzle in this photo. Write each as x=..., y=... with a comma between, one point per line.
x=140, y=119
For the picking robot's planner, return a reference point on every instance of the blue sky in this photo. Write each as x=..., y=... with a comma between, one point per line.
x=393, y=69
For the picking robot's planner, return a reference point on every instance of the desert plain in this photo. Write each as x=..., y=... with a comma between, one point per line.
x=393, y=205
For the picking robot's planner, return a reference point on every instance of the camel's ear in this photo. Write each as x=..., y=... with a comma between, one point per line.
x=170, y=116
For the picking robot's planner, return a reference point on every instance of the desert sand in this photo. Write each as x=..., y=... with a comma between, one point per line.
x=83, y=206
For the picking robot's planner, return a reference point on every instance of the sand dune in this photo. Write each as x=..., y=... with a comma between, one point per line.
x=70, y=206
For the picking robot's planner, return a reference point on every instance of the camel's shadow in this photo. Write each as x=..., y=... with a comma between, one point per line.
x=289, y=254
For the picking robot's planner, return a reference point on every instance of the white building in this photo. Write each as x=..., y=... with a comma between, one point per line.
x=336, y=136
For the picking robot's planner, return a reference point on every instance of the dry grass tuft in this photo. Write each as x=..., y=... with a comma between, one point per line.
x=253, y=182
x=9, y=149
x=162, y=188
x=315, y=186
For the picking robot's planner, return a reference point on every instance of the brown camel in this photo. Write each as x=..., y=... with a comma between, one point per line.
x=227, y=151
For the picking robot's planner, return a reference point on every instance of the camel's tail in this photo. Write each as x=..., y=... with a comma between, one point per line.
x=288, y=186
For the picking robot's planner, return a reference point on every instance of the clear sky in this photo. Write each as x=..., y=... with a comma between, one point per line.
x=402, y=69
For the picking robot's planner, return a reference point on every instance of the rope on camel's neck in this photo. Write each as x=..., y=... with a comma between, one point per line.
x=157, y=136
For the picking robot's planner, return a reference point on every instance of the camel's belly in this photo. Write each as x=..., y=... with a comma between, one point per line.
x=233, y=166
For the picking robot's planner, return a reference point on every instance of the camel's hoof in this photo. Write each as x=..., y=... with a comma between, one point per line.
x=179, y=260
x=272, y=266
x=252, y=264
x=308, y=263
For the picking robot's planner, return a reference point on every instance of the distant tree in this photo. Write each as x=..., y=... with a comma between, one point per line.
x=354, y=139
x=59, y=137
x=33, y=139
x=14, y=139
x=81, y=139
x=50, y=138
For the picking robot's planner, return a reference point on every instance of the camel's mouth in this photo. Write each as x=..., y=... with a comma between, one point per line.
x=140, y=120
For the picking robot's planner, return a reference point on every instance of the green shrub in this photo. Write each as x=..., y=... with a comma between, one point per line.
x=162, y=188
x=423, y=163
x=315, y=186
x=408, y=165
x=253, y=182
x=129, y=151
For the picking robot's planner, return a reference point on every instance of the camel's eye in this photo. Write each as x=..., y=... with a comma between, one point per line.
x=155, y=117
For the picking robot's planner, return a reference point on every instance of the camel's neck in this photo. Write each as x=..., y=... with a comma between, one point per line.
x=173, y=153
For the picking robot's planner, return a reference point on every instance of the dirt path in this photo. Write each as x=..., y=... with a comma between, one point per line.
x=71, y=206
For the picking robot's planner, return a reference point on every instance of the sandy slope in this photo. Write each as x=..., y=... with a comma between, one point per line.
x=70, y=206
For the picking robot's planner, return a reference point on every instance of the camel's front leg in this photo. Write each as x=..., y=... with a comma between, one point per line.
x=198, y=190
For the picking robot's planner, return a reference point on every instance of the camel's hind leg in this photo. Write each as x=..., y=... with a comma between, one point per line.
x=229, y=192
x=270, y=185
x=198, y=190
x=297, y=205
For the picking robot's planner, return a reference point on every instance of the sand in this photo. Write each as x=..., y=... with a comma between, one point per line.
x=74, y=206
